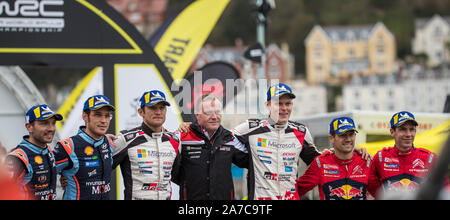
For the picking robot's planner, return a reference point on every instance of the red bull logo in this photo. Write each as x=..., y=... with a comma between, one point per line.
x=404, y=185
x=346, y=192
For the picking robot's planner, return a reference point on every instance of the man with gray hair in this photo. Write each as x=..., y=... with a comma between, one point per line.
x=203, y=166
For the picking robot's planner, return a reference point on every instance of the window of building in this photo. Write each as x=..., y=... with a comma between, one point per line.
x=380, y=66
x=350, y=36
x=351, y=53
x=335, y=54
x=318, y=68
x=375, y=107
x=380, y=45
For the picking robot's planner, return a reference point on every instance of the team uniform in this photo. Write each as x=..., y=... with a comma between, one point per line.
x=87, y=165
x=33, y=167
x=400, y=170
x=337, y=179
x=35, y=170
x=146, y=159
x=275, y=151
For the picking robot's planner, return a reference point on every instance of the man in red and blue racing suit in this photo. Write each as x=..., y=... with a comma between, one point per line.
x=402, y=167
x=342, y=175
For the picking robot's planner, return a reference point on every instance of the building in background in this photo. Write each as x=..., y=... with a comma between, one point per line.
x=416, y=90
x=146, y=15
x=335, y=54
x=432, y=39
x=279, y=62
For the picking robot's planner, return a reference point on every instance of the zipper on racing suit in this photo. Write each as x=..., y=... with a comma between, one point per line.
x=157, y=136
x=279, y=129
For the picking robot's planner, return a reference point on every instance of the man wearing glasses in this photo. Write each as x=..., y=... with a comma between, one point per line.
x=86, y=158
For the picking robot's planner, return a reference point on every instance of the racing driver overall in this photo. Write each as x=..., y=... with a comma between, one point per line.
x=275, y=151
x=337, y=179
x=146, y=159
x=87, y=165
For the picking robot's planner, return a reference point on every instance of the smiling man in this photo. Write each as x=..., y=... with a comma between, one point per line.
x=203, y=166
x=275, y=145
x=32, y=162
x=86, y=158
x=342, y=175
x=402, y=167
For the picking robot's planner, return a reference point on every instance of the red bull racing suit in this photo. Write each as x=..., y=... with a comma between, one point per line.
x=275, y=151
x=337, y=179
x=400, y=170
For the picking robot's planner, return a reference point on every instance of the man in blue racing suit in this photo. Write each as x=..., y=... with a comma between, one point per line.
x=86, y=158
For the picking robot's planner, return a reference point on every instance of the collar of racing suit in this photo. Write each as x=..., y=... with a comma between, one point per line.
x=343, y=162
x=404, y=153
x=276, y=126
x=150, y=132
x=33, y=147
x=82, y=133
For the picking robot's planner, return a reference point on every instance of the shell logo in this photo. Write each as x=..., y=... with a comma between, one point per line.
x=89, y=150
x=38, y=159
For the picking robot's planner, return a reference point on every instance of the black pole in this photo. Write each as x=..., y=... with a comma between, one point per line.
x=108, y=91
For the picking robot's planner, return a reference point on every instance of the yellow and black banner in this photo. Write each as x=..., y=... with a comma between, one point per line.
x=185, y=35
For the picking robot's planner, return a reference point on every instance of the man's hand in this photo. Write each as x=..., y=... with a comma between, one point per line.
x=63, y=180
x=184, y=127
x=111, y=136
x=363, y=152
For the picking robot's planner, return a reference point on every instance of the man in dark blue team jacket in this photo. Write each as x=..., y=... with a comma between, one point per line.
x=32, y=163
x=86, y=158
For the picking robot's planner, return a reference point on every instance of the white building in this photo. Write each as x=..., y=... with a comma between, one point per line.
x=431, y=36
x=419, y=91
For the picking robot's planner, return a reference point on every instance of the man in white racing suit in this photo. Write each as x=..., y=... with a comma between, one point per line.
x=146, y=154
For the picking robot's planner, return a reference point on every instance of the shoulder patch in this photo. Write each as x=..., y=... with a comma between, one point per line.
x=67, y=145
x=131, y=132
x=430, y=159
x=172, y=135
x=253, y=123
x=20, y=154
x=299, y=126
x=130, y=136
